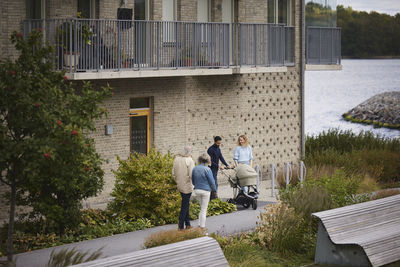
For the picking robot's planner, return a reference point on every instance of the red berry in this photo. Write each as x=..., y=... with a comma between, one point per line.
x=37, y=104
x=47, y=155
x=74, y=132
x=65, y=78
x=87, y=145
x=87, y=169
x=19, y=35
x=58, y=122
x=12, y=72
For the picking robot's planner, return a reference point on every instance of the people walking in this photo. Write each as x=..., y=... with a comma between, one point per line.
x=215, y=153
x=182, y=173
x=204, y=184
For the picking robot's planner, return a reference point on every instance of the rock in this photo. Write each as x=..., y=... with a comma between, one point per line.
x=383, y=109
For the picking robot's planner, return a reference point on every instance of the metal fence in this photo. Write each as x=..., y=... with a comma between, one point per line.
x=262, y=44
x=93, y=45
x=323, y=46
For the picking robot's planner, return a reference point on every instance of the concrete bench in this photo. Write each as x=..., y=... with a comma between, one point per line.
x=365, y=234
x=203, y=251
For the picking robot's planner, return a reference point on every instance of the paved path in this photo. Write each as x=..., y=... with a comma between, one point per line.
x=240, y=221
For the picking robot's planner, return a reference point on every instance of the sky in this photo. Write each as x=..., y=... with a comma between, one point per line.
x=390, y=7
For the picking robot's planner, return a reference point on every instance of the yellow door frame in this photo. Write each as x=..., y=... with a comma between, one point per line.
x=140, y=112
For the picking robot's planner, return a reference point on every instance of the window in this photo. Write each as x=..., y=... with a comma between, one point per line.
x=169, y=10
x=87, y=8
x=139, y=114
x=280, y=11
x=33, y=9
x=141, y=9
x=203, y=10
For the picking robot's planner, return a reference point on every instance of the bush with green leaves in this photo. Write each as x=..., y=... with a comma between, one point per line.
x=215, y=207
x=33, y=234
x=144, y=188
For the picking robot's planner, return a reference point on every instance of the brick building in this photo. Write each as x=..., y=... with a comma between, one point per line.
x=182, y=71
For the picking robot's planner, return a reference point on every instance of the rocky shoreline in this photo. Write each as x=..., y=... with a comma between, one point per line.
x=382, y=110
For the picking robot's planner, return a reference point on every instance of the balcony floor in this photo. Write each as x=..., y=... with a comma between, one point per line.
x=150, y=73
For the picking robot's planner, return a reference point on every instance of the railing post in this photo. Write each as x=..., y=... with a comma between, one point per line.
x=255, y=44
x=273, y=175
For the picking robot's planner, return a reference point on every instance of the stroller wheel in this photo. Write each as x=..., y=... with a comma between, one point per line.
x=254, y=204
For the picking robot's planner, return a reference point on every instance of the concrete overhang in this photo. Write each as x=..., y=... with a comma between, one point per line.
x=131, y=74
x=243, y=70
x=323, y=67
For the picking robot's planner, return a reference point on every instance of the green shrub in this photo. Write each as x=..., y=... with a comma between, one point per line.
x=31, y=235
x=172, y=236
x=282, y=230
x=382, y=165
x=144, y=188
x=347, y=141
x=307, y=199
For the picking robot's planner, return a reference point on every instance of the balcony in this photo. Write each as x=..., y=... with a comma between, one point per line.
x=323, y=48
x=107, y=49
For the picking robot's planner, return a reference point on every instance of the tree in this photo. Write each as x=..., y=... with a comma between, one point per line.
x=47, y=158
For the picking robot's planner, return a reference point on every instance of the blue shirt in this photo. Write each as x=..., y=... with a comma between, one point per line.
x=215, y=154
x=202, y=178
x=243, y=154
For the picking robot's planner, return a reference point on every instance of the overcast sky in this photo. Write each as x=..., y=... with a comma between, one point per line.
x=382, y=6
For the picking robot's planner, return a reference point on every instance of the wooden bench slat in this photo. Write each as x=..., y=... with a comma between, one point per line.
x=203, y=251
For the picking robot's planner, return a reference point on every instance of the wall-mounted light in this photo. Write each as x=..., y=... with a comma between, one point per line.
x=109, y=129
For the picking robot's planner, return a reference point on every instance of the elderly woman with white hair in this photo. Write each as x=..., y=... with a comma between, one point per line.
x=182, y=173
x=204, y=184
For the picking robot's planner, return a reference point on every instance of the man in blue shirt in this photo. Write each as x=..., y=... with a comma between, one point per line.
x=215, y=154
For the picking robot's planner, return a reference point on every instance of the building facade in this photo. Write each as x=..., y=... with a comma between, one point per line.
x=182, y=71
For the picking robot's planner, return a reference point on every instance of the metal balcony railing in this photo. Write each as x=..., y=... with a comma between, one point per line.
x=262, y=44
x=94, y=45
x=323, y=46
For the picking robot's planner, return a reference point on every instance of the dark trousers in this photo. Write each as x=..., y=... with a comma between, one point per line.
x=215, y=173
x=184, y=218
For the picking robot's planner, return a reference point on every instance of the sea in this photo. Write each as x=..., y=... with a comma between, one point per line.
x=329, y=94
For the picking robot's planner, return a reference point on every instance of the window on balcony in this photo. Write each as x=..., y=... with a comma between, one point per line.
x=141, y=9
x=203, y=10
x=169, y=14
x=280, y=11
x=34, y=9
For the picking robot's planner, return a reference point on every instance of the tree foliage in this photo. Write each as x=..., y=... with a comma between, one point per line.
x=368, y=34
x=46, y=154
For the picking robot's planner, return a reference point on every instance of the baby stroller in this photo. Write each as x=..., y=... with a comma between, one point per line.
x=245, y=186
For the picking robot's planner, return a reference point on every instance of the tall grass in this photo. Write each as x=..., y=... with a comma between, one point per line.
x=347, y=141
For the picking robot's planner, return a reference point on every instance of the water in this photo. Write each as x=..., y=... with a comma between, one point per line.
x=329, y=94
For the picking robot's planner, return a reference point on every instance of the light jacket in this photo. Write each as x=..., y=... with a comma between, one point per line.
x=182, y=173
x=243, y=154
x=203, y=178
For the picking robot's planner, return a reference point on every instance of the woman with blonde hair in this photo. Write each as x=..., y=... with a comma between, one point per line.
x=243, y=153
